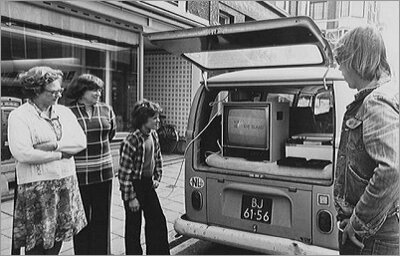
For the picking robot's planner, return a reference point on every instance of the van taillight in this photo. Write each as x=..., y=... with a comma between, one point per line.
x=325, y=222
x=197, y=200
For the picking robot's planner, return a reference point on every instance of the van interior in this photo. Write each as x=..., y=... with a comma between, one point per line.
x=307, y=150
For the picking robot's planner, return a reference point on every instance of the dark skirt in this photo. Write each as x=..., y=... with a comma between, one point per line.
x=48, y=211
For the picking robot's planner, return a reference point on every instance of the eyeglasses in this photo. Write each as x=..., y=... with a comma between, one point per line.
x=55, y=92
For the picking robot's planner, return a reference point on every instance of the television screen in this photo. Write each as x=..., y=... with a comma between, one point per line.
x=247, y=126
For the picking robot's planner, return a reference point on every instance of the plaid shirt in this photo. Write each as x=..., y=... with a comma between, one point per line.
x=131, y=162
x=94, y=164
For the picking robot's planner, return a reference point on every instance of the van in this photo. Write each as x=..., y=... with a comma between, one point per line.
x=262, y=135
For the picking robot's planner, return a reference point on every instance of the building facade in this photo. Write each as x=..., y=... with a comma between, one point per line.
x=334, y=18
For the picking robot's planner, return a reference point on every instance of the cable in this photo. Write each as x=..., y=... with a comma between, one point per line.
x=186, y=149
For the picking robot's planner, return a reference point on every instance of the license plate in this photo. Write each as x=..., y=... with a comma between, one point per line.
x=256, y=208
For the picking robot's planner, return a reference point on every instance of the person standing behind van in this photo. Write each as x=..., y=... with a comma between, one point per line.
x=42, y=137
x=94, y=165
x=139, y=175
x=366, y=187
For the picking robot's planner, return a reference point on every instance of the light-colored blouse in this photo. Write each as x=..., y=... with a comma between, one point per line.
x=28, y=127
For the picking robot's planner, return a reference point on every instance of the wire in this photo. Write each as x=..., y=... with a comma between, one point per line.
x=186, y=149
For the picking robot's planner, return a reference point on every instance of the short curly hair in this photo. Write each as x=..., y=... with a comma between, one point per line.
x=35, y=79
x=83, y=83
x=142, y=111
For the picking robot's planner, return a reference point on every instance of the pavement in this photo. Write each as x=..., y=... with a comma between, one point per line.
x=172, y=204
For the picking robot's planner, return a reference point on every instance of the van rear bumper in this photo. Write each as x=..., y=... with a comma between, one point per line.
x=251, y=241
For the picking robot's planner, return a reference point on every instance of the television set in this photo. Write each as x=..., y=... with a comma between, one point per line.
x=255, y=130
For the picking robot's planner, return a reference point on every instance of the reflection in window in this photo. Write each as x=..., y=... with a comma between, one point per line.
x=23, y=47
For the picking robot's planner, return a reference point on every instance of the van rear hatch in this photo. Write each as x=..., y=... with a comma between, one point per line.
x=285, y=42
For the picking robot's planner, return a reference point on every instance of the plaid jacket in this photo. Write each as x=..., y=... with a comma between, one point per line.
x=131, y=162
x=94, y=164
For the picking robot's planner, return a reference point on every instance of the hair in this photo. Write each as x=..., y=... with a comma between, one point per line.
x=142, y=111
x=85, y=82
x=363, y=50
x=35, y=79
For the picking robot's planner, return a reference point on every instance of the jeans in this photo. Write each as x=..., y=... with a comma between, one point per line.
x=95, y=237
x=384, y=242
x=156, y=233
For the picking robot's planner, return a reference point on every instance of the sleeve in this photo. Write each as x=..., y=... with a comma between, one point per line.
x=381, y=140
x=159, y=161
x=125, y=171
x=113, y=124
x=73, y=138
x=21, y=146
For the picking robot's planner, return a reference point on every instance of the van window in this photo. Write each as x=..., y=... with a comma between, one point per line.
x=281, y=97
x=304, y=101
x=323, y=103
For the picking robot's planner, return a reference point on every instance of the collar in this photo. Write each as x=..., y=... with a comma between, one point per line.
x=79, y=104
x=370, y=87
x=42, y=114
x=141, y=134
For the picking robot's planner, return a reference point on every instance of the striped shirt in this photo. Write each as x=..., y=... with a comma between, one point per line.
x=131, y=161
x=94, y=164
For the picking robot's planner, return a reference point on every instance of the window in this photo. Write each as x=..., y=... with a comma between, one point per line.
x=357, y=9
x=302, y=8
x=176, y=3
x=284, y=5
x=318, y=10
x=323, y=102
x=23, y=47
x=225, y=18
x=304, y=101
x=247, y=18
x=344, y=9
x=281, y=97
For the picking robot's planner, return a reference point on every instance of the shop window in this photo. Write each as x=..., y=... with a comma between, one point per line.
x=23, y=47
x=318, y=10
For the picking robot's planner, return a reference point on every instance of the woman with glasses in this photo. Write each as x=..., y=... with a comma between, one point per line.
x=366, y=186
x=94, y=165
x=43, y=136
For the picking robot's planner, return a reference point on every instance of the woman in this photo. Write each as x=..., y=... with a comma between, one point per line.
x=367, y=171
x=94, y=164
x=42, y=137
x=139, y=175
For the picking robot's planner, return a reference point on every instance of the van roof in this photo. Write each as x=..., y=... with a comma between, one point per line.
x=302, y=74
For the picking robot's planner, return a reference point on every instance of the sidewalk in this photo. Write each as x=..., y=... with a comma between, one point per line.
x=173, y=207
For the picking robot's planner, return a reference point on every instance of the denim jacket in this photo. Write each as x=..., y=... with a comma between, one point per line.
x=366, y=188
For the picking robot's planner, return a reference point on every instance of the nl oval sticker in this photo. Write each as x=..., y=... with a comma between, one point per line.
x=196, y=182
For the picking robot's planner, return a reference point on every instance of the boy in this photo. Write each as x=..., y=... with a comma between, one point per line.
x=139, y=175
